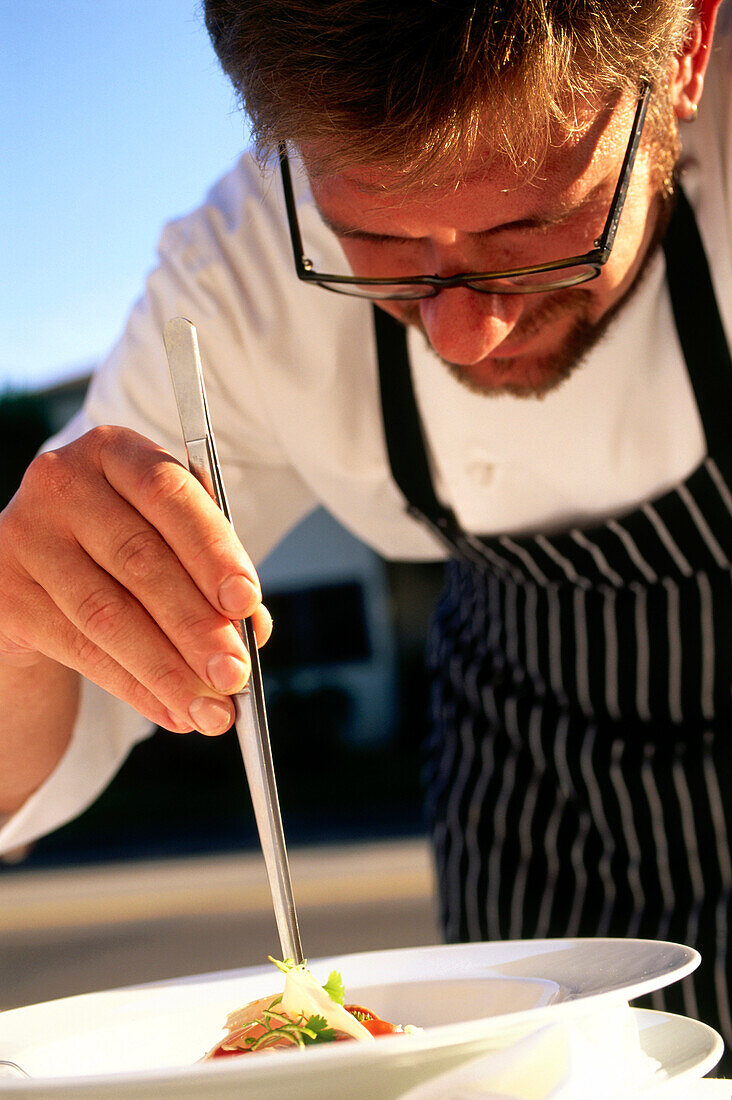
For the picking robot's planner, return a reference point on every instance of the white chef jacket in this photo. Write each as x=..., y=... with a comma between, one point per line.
x=292, y=382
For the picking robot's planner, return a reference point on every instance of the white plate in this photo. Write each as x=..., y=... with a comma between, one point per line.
x=685, y=1049
x=142, y=1043
x=636, y=1053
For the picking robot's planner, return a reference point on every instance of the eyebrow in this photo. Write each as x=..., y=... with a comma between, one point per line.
x=546, y=221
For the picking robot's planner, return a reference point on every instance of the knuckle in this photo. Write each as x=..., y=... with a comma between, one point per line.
x=102, y=436
x=49, y=474
x=13, y=535
x=169, y=682
x=15, y=649
x=164, y=479
x=108, y=443
x=140, y=555
x=197, y=624
x=88, y=657
x=210, y=547
x=101, y=614
x=140, y=697
x=216, y=547
x=83, y=654
x=92, y=446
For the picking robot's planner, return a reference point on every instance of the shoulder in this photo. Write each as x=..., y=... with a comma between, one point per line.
x=241, y=212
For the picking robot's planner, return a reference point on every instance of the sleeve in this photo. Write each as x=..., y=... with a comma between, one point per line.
x=106, y=730
x=202, y=261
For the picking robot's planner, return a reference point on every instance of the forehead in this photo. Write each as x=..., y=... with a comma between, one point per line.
x=574, y=162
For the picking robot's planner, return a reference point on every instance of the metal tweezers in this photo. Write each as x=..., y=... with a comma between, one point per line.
x=184, y=360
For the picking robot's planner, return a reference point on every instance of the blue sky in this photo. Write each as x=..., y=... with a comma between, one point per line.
x=114, y=117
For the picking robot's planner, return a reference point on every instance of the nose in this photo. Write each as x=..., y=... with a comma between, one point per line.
x=464, y=326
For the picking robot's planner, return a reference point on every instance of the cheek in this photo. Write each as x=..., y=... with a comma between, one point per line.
x=626, y=258
x=637, y=231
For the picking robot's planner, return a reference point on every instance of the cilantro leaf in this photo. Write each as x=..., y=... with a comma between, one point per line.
x=334, y=988
x=316, y=1030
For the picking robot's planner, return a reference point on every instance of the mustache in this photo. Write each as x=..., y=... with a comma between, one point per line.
x=554, y=306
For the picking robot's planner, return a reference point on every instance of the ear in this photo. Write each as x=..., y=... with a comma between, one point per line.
x=689, y=66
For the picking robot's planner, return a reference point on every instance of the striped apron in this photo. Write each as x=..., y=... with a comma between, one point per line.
x=579, y=767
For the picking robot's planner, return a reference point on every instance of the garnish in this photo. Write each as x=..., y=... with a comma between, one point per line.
x=281, y=1029
x=318, y=1031
x=305, y=1013
x=285, y=965
x=334, y=987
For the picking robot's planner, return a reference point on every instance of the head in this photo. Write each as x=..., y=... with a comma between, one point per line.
x=452, y=124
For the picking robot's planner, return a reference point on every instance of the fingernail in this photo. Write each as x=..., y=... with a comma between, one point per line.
x=226, y=673
x=210, y=715
x=238, y=594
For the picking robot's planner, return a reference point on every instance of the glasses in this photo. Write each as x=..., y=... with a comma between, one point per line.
x=535, y=279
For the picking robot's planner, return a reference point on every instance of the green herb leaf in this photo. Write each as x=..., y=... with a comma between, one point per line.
x=334, y=988
x=286, y=964
x=316, y=1030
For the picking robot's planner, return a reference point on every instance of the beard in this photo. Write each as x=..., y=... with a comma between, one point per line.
x=543, y=373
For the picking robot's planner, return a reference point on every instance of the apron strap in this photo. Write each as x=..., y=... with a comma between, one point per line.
x=405, y=441
x=699, y=325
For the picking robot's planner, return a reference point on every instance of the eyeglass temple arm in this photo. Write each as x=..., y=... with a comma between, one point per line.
x=302, y=263
x=605, y=243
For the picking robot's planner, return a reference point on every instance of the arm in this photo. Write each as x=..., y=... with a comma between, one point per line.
x=38, y=704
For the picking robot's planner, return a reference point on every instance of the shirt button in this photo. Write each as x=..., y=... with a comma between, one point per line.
x=480, y=469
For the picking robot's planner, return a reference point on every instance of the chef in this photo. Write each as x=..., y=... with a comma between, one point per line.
x=484, y=318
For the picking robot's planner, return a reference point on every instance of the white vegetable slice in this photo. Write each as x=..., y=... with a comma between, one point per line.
x=303, y=996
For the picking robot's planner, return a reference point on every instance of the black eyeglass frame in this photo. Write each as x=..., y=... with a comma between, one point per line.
x=595, y=259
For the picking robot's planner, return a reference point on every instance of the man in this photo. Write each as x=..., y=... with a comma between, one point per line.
x=499, y=178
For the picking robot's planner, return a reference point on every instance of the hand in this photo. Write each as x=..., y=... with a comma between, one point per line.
x=115, y=562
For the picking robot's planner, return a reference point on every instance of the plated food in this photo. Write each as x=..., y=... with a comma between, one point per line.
x=305, y=1013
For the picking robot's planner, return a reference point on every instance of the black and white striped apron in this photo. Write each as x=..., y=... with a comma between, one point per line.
x=579, y=770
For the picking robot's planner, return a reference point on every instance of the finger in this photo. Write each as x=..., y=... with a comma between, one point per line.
x=135, y=555
x=262, y=623
x=192, y=524
x=113, y=621
x=48, y=632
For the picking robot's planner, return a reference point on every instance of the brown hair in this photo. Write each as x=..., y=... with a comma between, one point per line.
x=412, y=83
